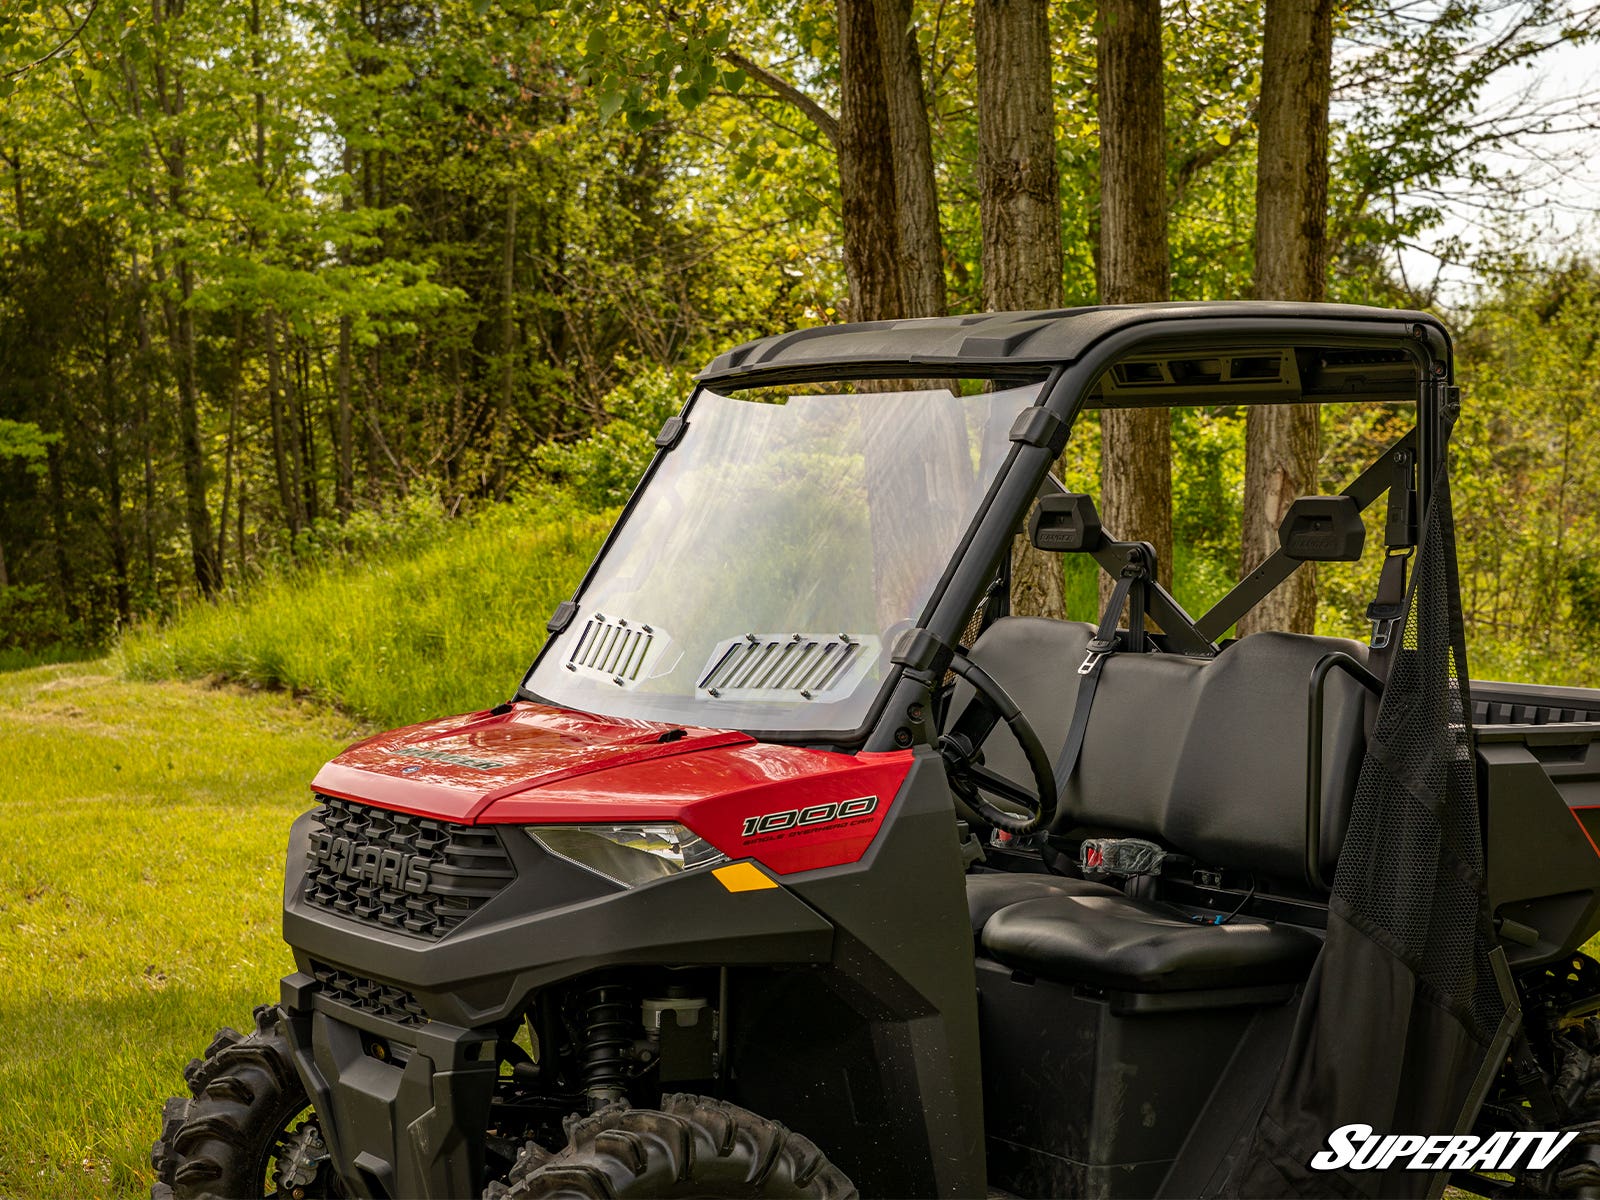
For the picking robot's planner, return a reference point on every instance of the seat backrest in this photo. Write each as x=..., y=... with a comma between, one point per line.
x=1205, y=755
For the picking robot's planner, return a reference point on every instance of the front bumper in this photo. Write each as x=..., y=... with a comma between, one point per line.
x=403, y=1106
x=394, y=1035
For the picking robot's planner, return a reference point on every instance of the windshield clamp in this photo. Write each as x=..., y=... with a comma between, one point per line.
x=671, y=432
x=919, y=650
x=562, y=617
x=1040, y=427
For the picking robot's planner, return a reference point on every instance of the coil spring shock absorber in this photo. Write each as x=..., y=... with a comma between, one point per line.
x=610, y=1015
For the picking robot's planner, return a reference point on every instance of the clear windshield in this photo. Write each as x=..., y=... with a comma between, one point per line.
x=777, y=552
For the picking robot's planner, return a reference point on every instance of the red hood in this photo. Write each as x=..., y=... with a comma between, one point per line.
x=788, y=807
x=454, y=768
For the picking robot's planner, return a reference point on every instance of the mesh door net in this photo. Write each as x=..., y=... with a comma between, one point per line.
x=1402, y=1004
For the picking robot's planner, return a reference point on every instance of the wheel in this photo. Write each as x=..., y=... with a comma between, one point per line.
x=248, y=1132
x=691, y=1146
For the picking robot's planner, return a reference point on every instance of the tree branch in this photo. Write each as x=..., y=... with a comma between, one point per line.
x=781, y=87
x=1211, y=152
x=60, y=49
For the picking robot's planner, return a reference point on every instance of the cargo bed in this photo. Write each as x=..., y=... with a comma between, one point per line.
x=1539, y=769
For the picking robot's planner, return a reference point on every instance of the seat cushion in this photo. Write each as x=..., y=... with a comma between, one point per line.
x=1128, y=945
x=990, y=891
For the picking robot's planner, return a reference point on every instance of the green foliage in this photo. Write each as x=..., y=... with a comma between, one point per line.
x=1420, y=134
x=1527, y=504
x=1582, y=581
x=1207, y=496
x=600, y=470
x=24, y=440
x=379, y=262
x=447, y=627
x=31, y=619
x=403, y=527
x=378, y=250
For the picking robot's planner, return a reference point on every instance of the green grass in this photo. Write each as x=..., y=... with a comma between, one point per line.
x=144, y=827
x=393, y=639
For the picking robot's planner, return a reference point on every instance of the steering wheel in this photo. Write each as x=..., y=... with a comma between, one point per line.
x=970, y=779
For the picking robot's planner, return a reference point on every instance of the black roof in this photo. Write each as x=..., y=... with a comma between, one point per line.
x=1039, y=338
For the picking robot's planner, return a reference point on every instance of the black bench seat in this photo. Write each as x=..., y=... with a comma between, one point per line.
x=1125, y=945
x=1205, y=756
x=990, y=891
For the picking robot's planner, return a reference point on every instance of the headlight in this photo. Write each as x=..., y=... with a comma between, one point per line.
x=629, y=854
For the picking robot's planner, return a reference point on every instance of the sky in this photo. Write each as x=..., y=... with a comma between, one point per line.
x=1562, y=212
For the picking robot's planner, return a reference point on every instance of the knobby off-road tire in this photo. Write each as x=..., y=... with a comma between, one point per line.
x=691, y=1146
x=222, y=1141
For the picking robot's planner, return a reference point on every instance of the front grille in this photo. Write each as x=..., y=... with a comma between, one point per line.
x=369, y=996
x=413, y=875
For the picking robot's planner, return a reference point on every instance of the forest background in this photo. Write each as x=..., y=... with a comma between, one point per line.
x=290, y=287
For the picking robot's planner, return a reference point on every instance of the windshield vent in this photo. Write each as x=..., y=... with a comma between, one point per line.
x=788, y=666
x=617, y=650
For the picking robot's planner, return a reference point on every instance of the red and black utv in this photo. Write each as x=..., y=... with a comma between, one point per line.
x=798, y=866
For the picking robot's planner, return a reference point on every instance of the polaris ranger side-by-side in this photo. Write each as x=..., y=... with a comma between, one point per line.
x=798, y=866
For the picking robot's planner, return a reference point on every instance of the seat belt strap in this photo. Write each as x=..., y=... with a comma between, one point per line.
x=1387, y=613
x=1387, y=607
x=1387, y=610
x=1101, y=647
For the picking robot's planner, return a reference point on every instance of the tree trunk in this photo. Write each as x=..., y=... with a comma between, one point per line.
x=1135, y=444
x=146, y=380
x=17, y=191
x=180, y=316
x=147, y=510
x=305, y=458
x=889, y=210
x=1019, y=190
x=345, y=481
x=58, y=532
x=501, y=442
x=235, y=382
x=1291, y=248
x=282, y=469
x=911, y=142
x=238, y=539
x=116, y=531
x=866, y=170
x=198, y=511
x=1136, y=483
x=1019, y=211
x=15, y=160
x=344, y=488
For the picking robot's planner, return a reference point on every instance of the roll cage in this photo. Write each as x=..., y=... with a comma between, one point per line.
x=1118, y=356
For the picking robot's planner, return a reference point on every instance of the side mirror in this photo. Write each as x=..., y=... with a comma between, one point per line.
x=1065, y=523
x=1323, y=529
